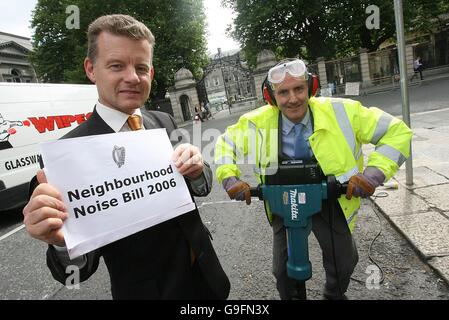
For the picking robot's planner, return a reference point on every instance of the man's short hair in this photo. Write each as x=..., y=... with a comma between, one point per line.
x=116, y=24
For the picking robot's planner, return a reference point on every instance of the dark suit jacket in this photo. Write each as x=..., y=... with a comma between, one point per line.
x=154, y=263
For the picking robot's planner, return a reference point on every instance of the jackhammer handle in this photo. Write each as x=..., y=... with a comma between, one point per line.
x=256, y=192
x=344, y=187
x=334, y=188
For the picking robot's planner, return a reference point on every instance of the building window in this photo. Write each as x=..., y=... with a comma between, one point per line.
x=16, y=75
x=216, y=82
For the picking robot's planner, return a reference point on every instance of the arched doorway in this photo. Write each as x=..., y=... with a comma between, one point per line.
x=185, y=106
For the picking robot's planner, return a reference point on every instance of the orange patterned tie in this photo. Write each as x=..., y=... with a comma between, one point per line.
x=134, y=122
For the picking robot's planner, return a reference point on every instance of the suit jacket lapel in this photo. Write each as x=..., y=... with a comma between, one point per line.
x=96, y=125
x=149, y=122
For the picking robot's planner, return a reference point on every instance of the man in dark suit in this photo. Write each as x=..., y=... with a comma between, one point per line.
x=172, y=260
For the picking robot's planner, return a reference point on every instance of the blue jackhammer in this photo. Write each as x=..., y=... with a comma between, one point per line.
x=295, y=193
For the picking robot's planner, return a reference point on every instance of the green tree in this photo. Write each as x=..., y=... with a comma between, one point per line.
x=286, y=27
x=178, y=26
x=324, y=28
x=427, y=15
x=348, y=18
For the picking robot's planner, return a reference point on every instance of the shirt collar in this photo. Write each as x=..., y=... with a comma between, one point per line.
x=287, y=125
x=114, y=118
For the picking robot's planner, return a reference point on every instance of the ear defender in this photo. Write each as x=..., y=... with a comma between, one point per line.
x=268, y=93
x=314, y=84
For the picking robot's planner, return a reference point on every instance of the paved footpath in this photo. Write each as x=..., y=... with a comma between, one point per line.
x=421, y=211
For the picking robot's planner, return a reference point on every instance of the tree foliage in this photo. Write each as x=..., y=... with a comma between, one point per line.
x=325, y=28
x=286, y=27
x=178, y=26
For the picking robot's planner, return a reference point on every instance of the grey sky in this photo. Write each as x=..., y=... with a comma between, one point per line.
x=218, y=19
x=15, y=18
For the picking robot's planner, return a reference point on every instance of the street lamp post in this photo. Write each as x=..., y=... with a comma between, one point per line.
x=399, y=18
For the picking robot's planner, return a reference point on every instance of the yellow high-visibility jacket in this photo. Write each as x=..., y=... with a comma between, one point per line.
x=340, y=128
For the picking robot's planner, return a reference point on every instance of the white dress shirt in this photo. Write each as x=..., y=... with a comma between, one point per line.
x=115, y=118
x=289, y=137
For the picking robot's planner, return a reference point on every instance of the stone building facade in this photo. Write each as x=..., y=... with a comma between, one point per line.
x=183, y=96
x=14, y=63
x=228, y=78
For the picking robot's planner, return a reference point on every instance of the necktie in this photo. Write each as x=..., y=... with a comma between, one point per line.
x=134, y=122
x=301, y=147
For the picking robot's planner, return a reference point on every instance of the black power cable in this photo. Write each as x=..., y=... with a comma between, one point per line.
x=378, y=195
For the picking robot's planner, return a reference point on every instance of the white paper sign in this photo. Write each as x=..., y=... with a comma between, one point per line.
x=114, y=185
x=352, y=88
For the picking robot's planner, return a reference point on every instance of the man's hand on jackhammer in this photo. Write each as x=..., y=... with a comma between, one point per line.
x=237, y=189
x=364, y=184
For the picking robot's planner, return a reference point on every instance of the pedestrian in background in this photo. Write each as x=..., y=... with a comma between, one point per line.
x=418, y=68
x=198, y=114
x=207, y=110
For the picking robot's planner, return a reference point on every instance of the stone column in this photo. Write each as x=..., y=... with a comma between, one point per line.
x=322, y=72
x=175, y=105
x=184, y=85
x=175, y=99
x=193, y=95
x=265, y=60
x=259, y=77
x=364, y=66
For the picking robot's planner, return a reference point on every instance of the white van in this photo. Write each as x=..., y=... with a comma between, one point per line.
x=31, y=113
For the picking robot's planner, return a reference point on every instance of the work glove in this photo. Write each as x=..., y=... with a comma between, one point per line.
x=363, y=184
x=237, y=189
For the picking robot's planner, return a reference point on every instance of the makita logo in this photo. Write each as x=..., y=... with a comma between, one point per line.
x=294, y=204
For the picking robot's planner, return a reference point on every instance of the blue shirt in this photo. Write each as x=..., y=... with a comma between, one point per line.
x=289, y=137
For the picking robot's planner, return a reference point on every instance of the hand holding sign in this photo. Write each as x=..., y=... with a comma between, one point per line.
x=45, y=212
x=110, y=196
x=188, y=160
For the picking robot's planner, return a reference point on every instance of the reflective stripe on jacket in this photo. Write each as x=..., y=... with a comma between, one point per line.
x=341, y=127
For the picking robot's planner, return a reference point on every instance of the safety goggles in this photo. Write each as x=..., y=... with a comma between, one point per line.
x=296, y=68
